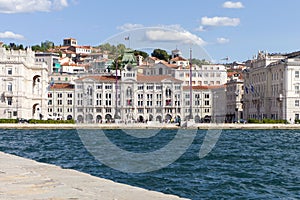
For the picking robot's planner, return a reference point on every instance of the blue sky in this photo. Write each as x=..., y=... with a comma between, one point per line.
x=218, y=29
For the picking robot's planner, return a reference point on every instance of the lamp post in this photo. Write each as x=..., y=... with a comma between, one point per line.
x=116, y=116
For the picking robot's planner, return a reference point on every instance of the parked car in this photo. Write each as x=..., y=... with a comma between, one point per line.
x=22, y=120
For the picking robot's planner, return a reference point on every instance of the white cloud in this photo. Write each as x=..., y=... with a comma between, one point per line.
x=230, y=4
x=11, y=35
x=60, y=4
x=129, y=27
x=220, y=21
x=201, y=29
x=222, y=40
x=27, y=6
x=182, y=36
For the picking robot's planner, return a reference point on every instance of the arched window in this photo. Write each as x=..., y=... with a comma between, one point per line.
x=9, y=87
x=90, y=91
x=129, y=92
x=168, y=92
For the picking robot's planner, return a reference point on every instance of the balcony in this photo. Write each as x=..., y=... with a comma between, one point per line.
x=8, y=94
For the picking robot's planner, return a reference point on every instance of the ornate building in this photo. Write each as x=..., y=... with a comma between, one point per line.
x=272, y=87
x=23, y=85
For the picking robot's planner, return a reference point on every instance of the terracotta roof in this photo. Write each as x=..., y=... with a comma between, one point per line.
x=204, y=87
x=169, y=65
x=100, y=78
x=83, y=47
x=179, y=58
x=152, y=79
x=231, y=74
x=62, y=86
x=69, y=64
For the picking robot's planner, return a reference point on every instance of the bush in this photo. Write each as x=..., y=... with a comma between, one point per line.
x=8, y=121
x=253, y=121
x=268, y=121
x=50, y=121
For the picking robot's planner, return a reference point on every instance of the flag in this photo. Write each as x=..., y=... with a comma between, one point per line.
x=226, y=58
x=126, y=38
x=252, y=88
x=246, y=89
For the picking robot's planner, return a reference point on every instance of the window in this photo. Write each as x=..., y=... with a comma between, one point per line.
x=150, y=87
x=177, y=87
x=98, y=102
x=70, y=102
x=98, y=110
x=108, y=87
x=9, y=101
x=9, y=71
x=296, y=74
x=108, y=96
x=59, y=95
x=140, y=96
x=149, y=96
x=9, y=87
x=140, y=87
x=297, y=103
x=297, y=89
x=206, y=103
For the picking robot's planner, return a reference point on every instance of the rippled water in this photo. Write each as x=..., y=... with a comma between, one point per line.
x=245, y=164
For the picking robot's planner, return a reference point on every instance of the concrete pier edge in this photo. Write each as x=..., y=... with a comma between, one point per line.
x=25, y=179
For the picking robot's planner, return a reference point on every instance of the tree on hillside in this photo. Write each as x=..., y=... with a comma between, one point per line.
x=112, y=49
x=160, y=54
x=13, y=46
x=142, y=53
x=200, y=62
x=45, y=46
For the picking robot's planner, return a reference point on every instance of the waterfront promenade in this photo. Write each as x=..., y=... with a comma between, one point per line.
x=149, y=126
x=26, y=179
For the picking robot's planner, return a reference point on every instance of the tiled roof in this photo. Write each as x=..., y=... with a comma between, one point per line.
x=169, y=65
x=179, y=58
x=62, y=86
x=100, y=78
x=231, y=74
x=152, y=79
x=204, y=87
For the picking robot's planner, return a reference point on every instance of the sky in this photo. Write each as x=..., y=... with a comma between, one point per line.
x=211, y=30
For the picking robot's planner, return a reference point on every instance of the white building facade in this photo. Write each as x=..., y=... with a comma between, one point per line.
x=272, y=87
x=23, y=85
x=234, y=96
x=137, y=98
x=207, y=75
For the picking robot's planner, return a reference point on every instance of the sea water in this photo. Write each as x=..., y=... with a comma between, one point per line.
x=244, y=164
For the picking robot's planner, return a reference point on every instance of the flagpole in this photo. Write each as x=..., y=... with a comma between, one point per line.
x=191, y=86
